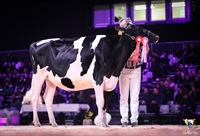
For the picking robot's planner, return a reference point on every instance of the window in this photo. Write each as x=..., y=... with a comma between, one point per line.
x=119, y=12
x=143, y=12
x=178, y=9
x=139, y=12
x=101, y=16
x=158, y=11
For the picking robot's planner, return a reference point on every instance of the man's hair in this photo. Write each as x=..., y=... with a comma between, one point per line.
x=127, y=19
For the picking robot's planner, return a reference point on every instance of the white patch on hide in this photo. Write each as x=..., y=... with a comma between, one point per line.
x=96, y=41
x=110, y=83
x=46, y=40
x=75, y=67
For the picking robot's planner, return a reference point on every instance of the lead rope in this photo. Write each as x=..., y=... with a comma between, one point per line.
x=132, y=37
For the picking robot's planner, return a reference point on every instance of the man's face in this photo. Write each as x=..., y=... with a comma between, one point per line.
x=123, y=24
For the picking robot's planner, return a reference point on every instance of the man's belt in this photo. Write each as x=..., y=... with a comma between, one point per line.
x=132, y=67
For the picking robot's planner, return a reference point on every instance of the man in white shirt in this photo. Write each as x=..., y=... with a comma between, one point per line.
x=129, y=83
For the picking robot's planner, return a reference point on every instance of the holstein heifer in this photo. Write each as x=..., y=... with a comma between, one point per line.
x=81, y=63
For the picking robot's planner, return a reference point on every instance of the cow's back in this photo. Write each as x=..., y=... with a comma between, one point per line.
x=76, y=63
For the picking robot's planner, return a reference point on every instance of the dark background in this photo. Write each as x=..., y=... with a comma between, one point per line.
x=23, y=22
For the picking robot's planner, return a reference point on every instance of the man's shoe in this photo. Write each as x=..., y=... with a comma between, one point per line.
x=125, y=124
x=134, y=124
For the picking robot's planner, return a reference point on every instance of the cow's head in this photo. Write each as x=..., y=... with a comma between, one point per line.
x=132, y=31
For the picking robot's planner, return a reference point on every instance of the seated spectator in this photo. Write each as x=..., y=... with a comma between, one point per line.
x=185, y=107
x=155, y=68
x=177, y=77
x=198, y=71
x=197, y=82
x=20, y=88
x=145, y=97
x=193, y=75
x=13, y=108
x=182, y=68
x=58, y=98
x=20, y=97
x=178, y=96
x=187, y=81
x=73, y=97
x=168, y=92
x=160, y=85
x=192, y=54
x=7, y=92
x=164, y=63
x=170, y=81
x=1, y=81
x=195, y=97
x=156, y=100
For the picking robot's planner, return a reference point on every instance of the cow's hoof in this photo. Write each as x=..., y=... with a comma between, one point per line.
x=54, y=125
x=103, y=125
x=37, y=124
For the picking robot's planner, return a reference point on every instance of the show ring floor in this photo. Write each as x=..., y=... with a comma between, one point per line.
x=113, y=130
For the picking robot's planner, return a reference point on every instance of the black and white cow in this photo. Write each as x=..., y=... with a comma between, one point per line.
x=81, y=63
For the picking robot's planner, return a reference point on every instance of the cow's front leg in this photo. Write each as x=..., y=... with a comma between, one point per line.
x=48, y=98
x=102, y=121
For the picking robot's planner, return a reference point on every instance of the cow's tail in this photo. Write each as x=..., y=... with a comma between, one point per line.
x=27, y=99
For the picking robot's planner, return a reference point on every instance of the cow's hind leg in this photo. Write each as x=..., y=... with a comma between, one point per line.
x=48, y=98
x=37, y=82
x=102, y=121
